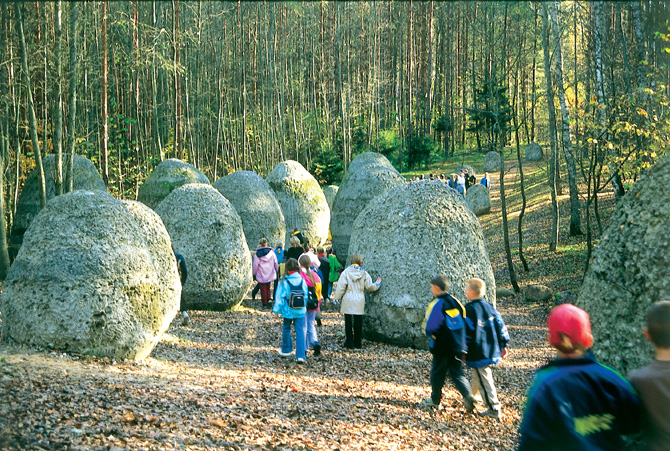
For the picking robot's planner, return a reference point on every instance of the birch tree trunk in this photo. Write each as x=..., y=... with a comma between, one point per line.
x=575, y=219
x=72, y=101
x=58, y=127
x=553, y=238
x=104, y=157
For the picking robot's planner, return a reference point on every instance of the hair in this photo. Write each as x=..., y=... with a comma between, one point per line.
x=295, y=229
x=329, y=250
x=478, y=286
x=279, y=244
x=292, y=265
x=306, y=246
x=440, y=281
x=320, y=250
x=306, y=262
x=263, y=242
x=294, y=241
x=356, y=259
x=658, y=324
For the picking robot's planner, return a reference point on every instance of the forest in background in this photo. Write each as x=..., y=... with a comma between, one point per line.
x=244, y=85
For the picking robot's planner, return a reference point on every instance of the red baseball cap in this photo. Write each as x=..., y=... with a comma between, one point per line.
x=571, y=321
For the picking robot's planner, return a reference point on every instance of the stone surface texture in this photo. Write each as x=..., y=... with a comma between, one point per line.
x=330, y=192
x=92, y=277
x=491, y=162
x=86, y=177
x=369, y=175
x=629, y=271
x=405, y=236
x=257, y=206
x=207, y=231
x=534, y=152
x=302, y=201
x=465, y=167
x=478, y=199
x=167, y=176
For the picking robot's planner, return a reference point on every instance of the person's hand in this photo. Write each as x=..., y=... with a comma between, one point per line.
x=379, y=280
x=505, y=353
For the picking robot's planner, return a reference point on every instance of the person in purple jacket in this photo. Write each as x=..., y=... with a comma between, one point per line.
x=265, y=269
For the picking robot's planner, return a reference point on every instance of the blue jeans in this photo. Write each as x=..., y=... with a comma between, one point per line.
x=310, y=333
x=300, y=340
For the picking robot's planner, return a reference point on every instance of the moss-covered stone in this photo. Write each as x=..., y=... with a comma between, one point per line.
x=86, y=177
x=207, y=231
x=302, y=201
x=629, y=271
x=330, y=191
x=92, y=278
x=405, y=236
x=257, y=206
x=167, y=176
x=369, y=175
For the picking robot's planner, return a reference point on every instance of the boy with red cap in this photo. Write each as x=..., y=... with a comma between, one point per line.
x=575, y=402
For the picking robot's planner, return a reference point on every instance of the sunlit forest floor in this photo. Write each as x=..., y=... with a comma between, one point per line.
x=220, y=384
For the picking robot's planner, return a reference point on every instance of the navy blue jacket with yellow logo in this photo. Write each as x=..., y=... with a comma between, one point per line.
x=445, y=325
x=578, y=404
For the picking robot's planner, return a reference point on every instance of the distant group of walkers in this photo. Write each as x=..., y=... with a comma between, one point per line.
x=460, y=182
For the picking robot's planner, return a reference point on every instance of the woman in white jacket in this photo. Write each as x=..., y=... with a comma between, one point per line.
x=351, y=288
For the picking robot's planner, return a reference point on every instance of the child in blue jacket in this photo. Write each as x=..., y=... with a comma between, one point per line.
x=444, y=324
x=576, y=403
x=487, y=340
x=295, y=316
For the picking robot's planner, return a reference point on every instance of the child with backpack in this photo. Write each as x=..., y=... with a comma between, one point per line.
x=314, y=288
x=487, y=339
x=291, y=305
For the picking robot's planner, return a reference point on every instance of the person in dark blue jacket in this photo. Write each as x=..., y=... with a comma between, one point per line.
x=444, y=324
x=487, y=340
x=576, y=403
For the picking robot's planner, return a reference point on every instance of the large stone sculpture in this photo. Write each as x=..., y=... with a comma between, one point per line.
x=301, y=200
x=405, y=236
x=207, y=231
x=330, y=192
x=92, y=277
x=478, y=199
x=630, y=270
x=369, y=175
x=167, y=176
x=256, y=204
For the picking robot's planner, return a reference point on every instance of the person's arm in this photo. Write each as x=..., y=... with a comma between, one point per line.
x=279, y=297
x=254, y=265
x=503, y=333
x=184, y=273
x=369, y=285
x=275, y=262
x=536, y=426
x=341, y=286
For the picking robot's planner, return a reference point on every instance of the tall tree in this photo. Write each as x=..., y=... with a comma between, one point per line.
x=72, y=100
x=553, y=162
x=575, y=227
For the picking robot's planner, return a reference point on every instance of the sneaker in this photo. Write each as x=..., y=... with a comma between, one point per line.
x=283, y=354
x=429, y=403
x=317, y=350
x=493, y=414
x=469, y=404
x=300, y=360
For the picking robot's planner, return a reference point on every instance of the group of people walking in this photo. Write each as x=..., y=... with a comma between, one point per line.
x=460, y=182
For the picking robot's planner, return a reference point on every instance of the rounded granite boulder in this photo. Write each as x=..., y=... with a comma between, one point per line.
x=257, y=206
x=629, y=271
x=302, y=201
x=534, y=152
x=86, y=177
x=369, y=175
x=478, y=199
x=491, y=162
x=92, y=278
x=207, y=231
x=167, y=176
x=405, y=236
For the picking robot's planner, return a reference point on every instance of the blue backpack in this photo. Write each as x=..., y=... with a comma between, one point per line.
x=296, y=295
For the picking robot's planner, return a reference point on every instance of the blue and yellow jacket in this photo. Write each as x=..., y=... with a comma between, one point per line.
x=486, y=332
x=445, y=325
x=578, y=404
